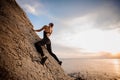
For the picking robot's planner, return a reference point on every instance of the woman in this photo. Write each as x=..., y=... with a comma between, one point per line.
x=47, y=31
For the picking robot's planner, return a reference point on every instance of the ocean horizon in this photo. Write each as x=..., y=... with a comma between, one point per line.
x=93, y=69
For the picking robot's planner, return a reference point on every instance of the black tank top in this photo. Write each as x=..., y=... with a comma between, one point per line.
x=45, y=35
x=45, y=39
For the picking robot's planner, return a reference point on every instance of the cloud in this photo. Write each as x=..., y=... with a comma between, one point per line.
x=68, y=30
x=116, y=55
x=105, y=17
x=66, y=51
x=69, y=52
x=63, y=51
x=71, y=23
x=32, y=7
x=106, y=55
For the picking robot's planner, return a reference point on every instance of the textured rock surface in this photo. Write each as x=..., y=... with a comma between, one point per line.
x=17, y=48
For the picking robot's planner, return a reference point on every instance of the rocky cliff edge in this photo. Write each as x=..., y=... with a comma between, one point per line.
x=17, y=48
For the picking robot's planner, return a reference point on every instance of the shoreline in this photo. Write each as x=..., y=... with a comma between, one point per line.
x=80, y=76
x=92, y=69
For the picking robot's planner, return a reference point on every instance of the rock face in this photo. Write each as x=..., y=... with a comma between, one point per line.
x=17, y=48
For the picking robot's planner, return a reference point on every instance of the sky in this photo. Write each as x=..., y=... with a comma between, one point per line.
x=82, y=28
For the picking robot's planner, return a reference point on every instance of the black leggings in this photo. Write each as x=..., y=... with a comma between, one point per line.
x=48, y=45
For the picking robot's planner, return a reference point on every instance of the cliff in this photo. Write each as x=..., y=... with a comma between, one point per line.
x=17, y=48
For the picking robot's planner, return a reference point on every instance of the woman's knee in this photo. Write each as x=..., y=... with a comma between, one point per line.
x=39, y=43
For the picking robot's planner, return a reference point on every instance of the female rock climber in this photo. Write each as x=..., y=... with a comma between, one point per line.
x=47, y=31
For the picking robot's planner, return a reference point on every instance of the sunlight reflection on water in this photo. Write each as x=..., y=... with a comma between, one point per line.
x=116, y=63
x=102, y=68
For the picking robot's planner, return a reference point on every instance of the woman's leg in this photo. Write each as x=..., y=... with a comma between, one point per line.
x=52, y=54
x=39, y=48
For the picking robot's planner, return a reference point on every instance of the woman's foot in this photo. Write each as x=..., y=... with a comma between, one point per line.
x=60, y=62
x=43, y=60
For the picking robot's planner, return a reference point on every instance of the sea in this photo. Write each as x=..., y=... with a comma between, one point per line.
x=93, y=69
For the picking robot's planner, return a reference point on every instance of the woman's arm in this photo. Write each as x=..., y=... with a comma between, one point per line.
x=40, y=29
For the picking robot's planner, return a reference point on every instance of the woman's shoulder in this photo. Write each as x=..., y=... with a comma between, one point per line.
x=45, y=26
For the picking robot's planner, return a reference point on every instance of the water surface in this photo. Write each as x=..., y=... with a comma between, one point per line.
x=99, y=69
